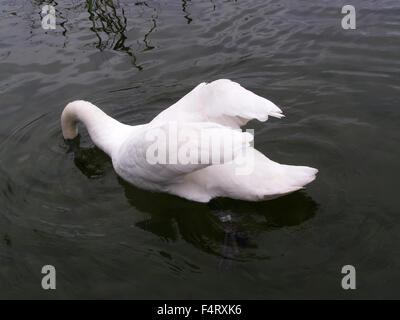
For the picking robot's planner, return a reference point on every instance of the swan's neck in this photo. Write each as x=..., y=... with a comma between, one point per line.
x=106, y=132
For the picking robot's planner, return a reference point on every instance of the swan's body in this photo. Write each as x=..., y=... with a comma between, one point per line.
x=223, y=106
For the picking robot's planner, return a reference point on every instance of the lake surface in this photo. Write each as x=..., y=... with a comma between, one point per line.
x=339, y=90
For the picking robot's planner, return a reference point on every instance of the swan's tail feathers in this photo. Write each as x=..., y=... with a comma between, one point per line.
x=297, y=177
x=278, y=114
x=300, y=175
x=290, y=179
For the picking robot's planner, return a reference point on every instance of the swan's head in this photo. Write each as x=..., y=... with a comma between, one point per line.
x=69, y=119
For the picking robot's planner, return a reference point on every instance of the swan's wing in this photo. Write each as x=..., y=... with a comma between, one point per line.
x=222, y=101
x=166, y=152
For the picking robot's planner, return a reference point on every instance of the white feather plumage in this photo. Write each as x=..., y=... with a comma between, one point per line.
x=223, y=106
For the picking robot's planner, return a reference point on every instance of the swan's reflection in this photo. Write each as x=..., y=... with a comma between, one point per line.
x=172, y=218
x=205, y=225
x=92, y=162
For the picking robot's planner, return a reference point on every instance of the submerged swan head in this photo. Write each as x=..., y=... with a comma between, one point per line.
x=106, y=132
x=70, y=118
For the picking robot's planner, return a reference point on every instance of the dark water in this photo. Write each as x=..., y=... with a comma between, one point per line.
x=339, y=89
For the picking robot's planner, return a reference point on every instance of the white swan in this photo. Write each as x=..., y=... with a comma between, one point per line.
x=222, y=106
